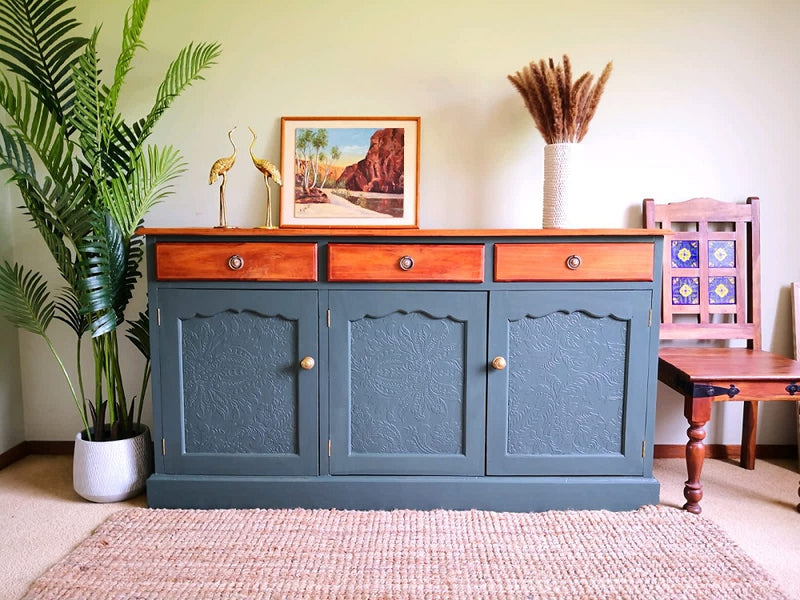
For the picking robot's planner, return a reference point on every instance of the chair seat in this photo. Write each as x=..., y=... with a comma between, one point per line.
x=700, y=364
x=759, y=374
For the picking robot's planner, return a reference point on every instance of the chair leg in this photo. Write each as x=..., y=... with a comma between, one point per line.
x=749, y=426
x=698, y=413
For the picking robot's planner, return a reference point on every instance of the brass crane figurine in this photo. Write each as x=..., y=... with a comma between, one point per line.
x=269, y=171
x=220, y=167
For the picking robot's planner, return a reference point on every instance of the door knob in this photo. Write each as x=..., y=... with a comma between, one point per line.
x=235, y=262
x=406, y=262
x=573, y=261
x=307, y=363
x=499, y=363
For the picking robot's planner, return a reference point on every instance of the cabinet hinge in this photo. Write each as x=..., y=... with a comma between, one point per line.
x=329, y=318
x=158, y=316
x=644, y=448
x=650, y=318
x=163, y=447
x=329, y=447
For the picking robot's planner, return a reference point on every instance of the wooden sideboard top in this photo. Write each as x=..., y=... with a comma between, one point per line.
x=390, y=232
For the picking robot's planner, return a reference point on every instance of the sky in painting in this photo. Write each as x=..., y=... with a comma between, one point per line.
x=353, y=142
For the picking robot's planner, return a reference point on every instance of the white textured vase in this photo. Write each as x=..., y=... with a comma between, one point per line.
x=112, y=471
x=562, y=184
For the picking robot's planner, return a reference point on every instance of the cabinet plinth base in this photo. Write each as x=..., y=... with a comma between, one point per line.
x=513, y=494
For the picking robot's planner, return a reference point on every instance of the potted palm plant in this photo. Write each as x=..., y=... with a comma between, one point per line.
x=86, y=178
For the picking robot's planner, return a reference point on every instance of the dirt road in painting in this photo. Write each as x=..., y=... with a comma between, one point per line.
x=337, y=207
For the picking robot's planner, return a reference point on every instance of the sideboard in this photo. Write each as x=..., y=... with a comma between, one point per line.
x=357, y=369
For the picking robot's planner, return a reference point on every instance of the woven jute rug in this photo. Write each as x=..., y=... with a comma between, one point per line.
x=654, y=552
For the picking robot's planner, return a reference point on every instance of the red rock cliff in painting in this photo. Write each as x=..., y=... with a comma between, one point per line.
x=381, y=170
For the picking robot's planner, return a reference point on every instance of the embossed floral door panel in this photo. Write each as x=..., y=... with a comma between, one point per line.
x=407, y=382
x=569, y=401
x=235, y=398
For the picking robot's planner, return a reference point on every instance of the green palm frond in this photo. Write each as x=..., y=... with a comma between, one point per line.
x=129, y=198
x=125, y=138
x=103, y=270
x=115, y=154
x=43, y=133
x=72, y=207
x=36, y=45
x=87, y=115
x=139, y=333
x=62, y=218
x=25, y=301
x=54, y=241
x=54, y=205
x=94, y=116
x=24, y=298
x=68, y=310
x=131, y=41
x=14, y=155
x=109, y=271
x=181, y=73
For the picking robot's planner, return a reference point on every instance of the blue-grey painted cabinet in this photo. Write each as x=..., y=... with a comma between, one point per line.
x=239, y=404
x=494, y=369
x=407, y=382
x=567, y=402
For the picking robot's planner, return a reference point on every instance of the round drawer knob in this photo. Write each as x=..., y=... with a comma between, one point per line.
x=307, y=363
x=573, y=261
x=235, y=262
x=499, y=363
x=406, y=262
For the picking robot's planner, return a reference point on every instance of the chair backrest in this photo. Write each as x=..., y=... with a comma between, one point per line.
x=711, y=269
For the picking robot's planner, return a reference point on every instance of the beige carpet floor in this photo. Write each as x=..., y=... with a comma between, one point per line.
x=41, y=519
x=653, y=552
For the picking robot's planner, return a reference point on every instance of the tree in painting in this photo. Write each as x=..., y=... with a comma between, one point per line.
x=311, y=161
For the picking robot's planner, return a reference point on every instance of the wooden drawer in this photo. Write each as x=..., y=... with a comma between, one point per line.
x=589, y=261
x=428, y=262
x=217, y=261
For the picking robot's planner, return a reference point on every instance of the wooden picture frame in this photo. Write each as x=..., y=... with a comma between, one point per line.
x=350, y=172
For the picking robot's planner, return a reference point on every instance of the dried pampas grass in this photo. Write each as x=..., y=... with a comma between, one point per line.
x=560, y=108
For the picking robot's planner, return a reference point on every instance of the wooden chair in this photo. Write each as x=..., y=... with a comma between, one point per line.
x=711, y=291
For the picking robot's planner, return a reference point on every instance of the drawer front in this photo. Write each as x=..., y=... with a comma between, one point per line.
x=405, y=262
x=231, y=261
x=574, y=262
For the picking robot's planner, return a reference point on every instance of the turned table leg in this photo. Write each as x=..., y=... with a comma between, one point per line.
x=749, y=426
x=698, y=413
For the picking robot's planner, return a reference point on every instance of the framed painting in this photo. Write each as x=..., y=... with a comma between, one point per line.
x=349, y=171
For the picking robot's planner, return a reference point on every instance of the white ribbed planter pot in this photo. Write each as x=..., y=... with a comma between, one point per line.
x=112, y=471
x=562, y=184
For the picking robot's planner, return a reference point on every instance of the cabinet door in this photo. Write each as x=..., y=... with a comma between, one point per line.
x=407, y=382
x=234, y=398
x=572, y=399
